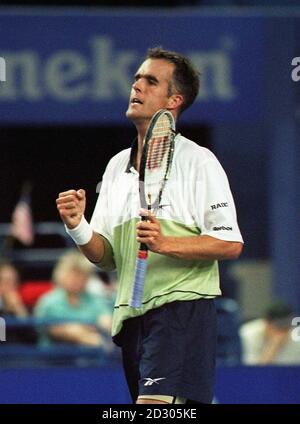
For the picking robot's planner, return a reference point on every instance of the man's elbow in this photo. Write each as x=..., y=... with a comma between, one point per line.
x=236, y=250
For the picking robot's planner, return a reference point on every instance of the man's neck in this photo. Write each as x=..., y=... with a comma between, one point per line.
x=141, y=133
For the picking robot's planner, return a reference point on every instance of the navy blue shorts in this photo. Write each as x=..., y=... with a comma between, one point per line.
x=171, y=351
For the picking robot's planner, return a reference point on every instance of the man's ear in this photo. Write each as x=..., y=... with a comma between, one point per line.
x=175, y=101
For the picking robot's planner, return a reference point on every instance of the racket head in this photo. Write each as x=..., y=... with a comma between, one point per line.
x=156, y=158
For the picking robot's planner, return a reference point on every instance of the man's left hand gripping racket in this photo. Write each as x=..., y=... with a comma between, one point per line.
x=155, y=168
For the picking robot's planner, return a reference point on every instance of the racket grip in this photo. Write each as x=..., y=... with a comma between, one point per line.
x=143, y=246
x=139, y=280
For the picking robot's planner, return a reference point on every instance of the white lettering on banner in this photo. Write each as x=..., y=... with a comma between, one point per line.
x=216, y=75
x=2, y=330
x=64, y=73
x=23, y=67
x=296, y=71
x=2, y=69
x=112, y=74
x=105, y=74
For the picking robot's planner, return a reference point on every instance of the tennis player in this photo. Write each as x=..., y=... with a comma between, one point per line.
x=169, y=343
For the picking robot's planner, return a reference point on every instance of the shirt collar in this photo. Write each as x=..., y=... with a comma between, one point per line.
x=133, y=152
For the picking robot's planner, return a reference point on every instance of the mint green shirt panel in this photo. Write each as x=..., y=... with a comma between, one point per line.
x=167, y=279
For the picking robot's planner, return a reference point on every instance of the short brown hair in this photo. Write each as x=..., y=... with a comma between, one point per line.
x=186, y=78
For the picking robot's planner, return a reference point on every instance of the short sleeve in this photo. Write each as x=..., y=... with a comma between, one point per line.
x=100, y=218
x=216, y=213
x=100, y=223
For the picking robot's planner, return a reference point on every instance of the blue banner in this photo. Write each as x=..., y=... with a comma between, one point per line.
x=106, y=385
x=77, y=67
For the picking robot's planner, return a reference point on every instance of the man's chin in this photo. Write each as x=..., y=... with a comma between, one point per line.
x=134, y=116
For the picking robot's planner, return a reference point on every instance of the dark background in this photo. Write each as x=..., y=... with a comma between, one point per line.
x=56, y=159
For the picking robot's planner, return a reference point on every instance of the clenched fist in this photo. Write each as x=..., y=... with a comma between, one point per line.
x=71, y=207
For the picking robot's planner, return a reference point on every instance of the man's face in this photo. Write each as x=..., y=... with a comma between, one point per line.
x=150, y=91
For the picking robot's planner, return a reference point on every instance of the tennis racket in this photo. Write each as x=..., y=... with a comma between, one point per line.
x=155, y=169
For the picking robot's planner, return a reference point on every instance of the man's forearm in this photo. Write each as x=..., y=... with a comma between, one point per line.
x=94, y=249
x=200, y=248
x=76, y=333
x=99, y=251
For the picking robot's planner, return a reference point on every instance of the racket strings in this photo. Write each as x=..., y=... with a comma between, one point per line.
x=158, y=160
x=159, y=143
x=158, y=148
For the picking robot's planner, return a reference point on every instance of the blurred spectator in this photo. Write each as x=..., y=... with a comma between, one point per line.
x=103, y=284
x=12, y=307
x=268, y=340
x=87, y=317
x=10, y=300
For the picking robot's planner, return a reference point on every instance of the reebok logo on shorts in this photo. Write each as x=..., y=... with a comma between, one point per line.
x=150, y=381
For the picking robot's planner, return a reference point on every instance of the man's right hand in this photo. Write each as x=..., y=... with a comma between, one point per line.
x=71, y=207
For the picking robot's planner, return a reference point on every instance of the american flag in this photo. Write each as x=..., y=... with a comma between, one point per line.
x=22, y=225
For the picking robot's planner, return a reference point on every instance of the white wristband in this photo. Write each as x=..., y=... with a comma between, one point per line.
x=81, y=234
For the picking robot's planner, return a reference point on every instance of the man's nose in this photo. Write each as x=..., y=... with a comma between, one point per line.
x=137, y=85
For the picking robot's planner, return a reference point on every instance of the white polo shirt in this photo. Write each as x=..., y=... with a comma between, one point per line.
x=196, y=201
